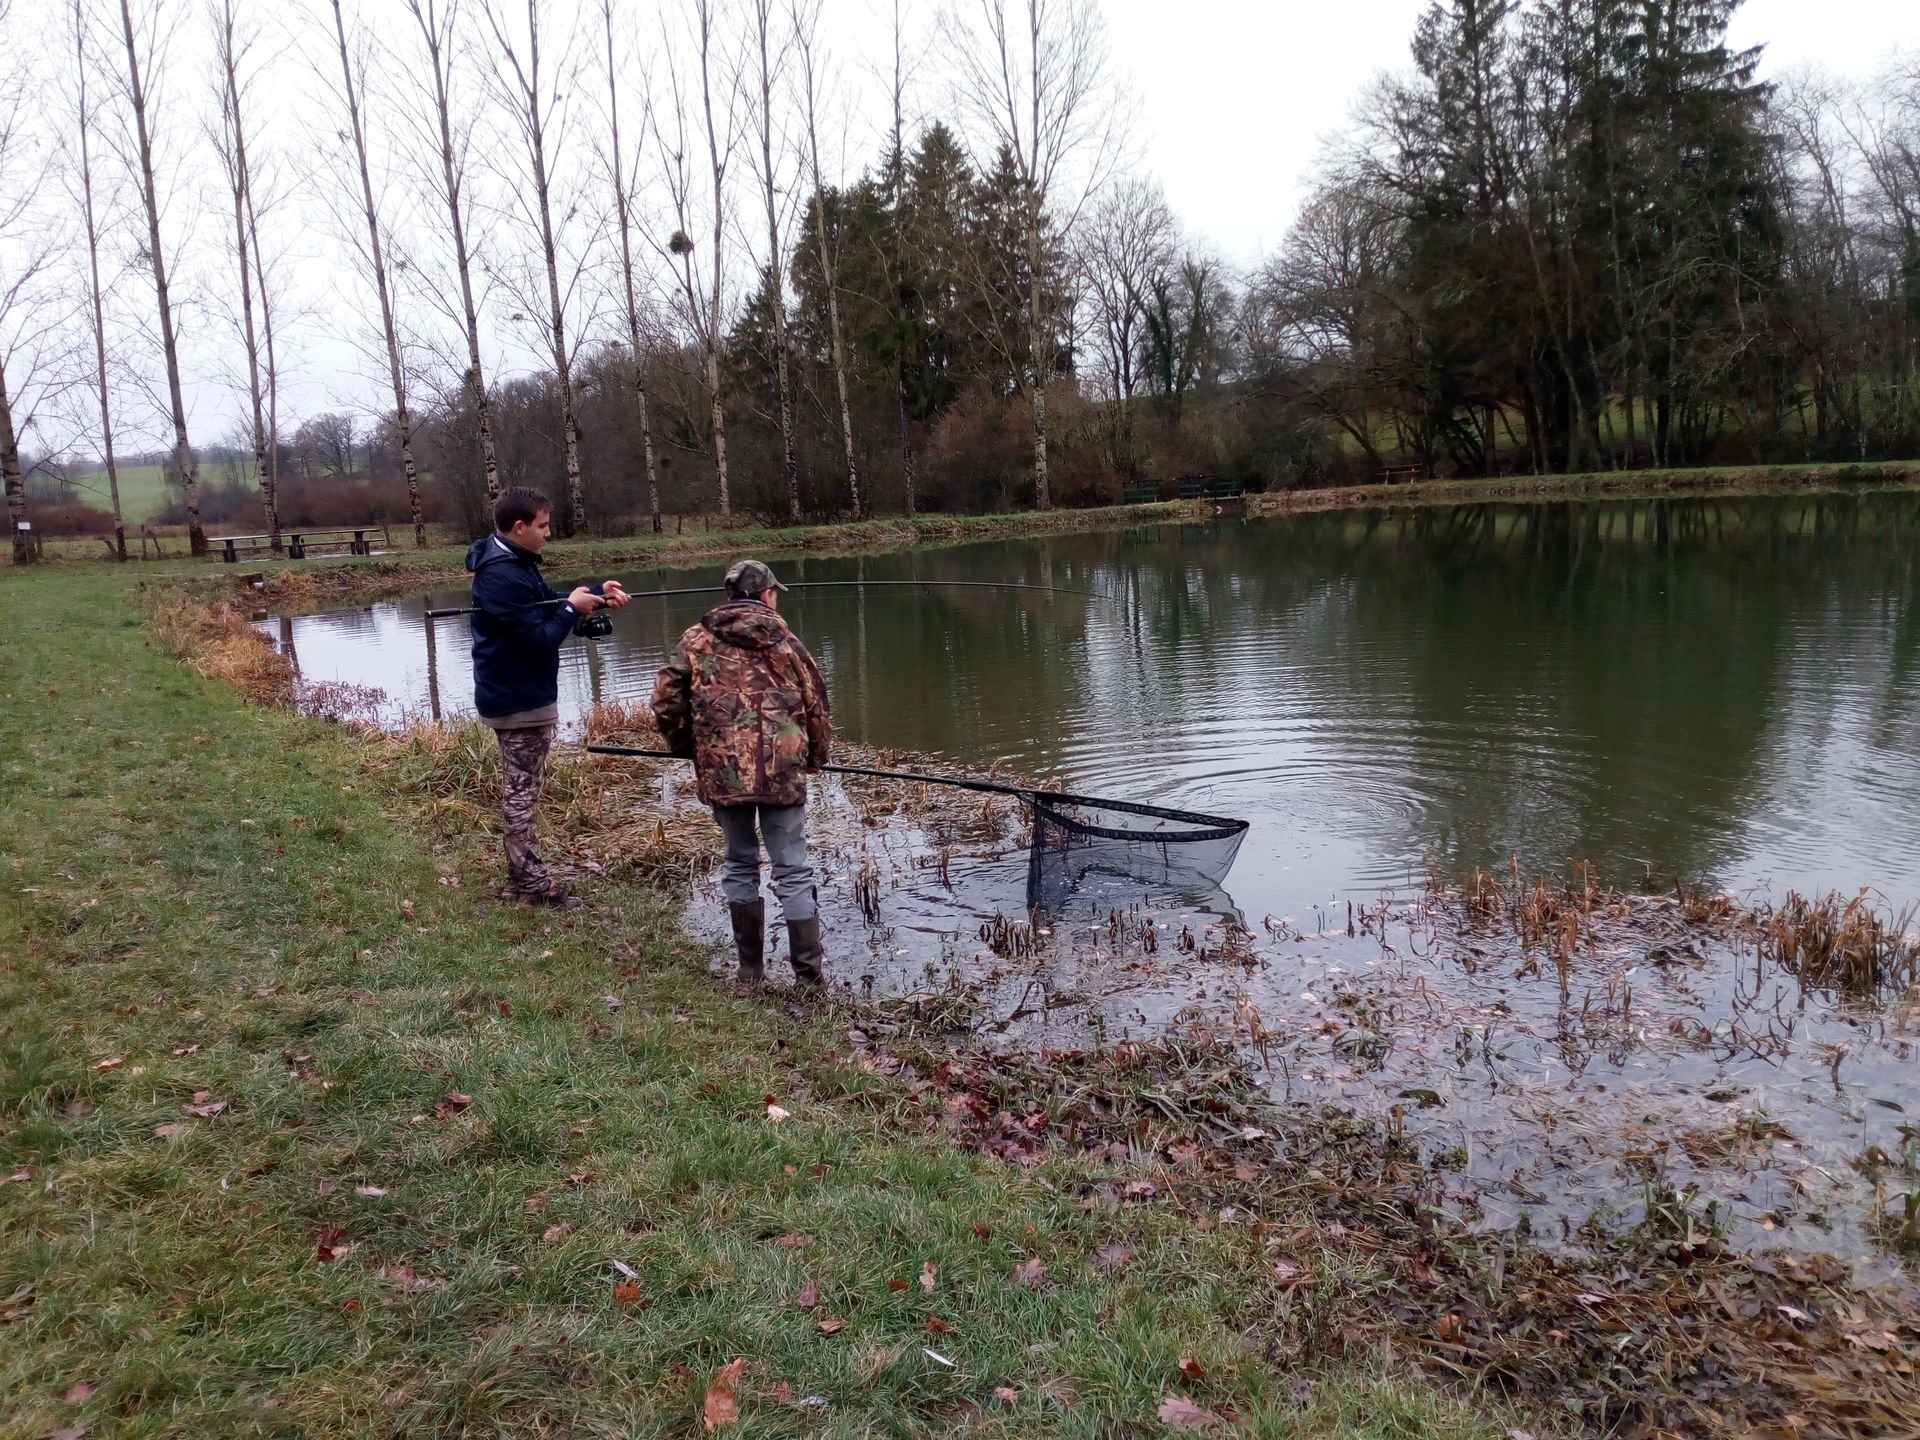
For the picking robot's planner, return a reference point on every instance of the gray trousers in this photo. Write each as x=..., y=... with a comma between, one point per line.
x=784, y=828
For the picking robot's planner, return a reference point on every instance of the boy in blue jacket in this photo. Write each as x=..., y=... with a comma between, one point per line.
x=519, y=624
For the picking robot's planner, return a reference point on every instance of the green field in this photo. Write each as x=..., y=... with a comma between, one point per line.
x=142, y=491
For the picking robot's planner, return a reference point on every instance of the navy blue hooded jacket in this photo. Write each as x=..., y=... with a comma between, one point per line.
x=516, y=638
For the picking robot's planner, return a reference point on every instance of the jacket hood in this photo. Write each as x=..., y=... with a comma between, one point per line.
x=492, y=549
x=746, y=623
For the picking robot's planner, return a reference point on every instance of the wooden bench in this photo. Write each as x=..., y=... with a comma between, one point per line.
x=1402, y=474
x=355, y=541
x=1210, y=487
x=232, y=547
x=1139, y=492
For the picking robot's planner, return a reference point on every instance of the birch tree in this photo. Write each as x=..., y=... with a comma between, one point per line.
x=805, y=19
x=82, y=21
x=230, y=143
x=1033, y=74
x=770, y=53
x=142, y=107
x=439, y=30
x=352, y=87
x=537, y=103
x=622, y=170
x=701, y=289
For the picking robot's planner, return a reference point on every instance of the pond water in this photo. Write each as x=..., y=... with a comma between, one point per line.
x=1724, y=694
x=1724, y=691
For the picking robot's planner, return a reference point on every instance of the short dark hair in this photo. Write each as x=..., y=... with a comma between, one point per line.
x=518, y=503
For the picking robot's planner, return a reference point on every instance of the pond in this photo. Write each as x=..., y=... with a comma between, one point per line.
x=1723, y=695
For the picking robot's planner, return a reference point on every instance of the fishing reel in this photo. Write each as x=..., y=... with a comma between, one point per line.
x=594, y=625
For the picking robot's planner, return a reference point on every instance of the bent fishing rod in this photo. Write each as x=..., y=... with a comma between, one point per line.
x=990, y=787
x=802, y=585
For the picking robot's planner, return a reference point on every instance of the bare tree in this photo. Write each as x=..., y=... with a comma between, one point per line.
x=230, y=142
x=23, y=260
x=138, y=103
x=538, y=109
x=96, y=295
x=377, y=261
x=895, y=258
x=624, y=188
x=1036, y=82
x=806, y=15
x=438, y=31
x=1126, y=245
x=702, y=300
x=770, y=61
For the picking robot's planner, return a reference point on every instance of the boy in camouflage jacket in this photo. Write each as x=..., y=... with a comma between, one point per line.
x=741, y=695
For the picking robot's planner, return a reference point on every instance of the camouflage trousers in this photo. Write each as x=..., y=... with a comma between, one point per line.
x=523, y=771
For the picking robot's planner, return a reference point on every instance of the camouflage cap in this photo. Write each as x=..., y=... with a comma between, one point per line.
x=750, y=577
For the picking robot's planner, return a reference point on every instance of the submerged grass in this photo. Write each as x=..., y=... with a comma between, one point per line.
x=302, y=1135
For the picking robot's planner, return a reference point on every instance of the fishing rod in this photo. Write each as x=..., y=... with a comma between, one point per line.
x=804, y=585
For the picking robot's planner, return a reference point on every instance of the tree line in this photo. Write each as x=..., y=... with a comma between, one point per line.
x=658, y=260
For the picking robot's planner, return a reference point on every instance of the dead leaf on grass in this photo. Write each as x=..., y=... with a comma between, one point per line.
x=169, y=1130
x=776, y=1114
x=110, y=1062
x=719, y=1407
x=794, y=1240
x=1183, y=1414
x=929, y=1272
x=1031, y=1272
x=451, y=1103
x=808, y=1296
x=832, y=1325
x=372, y=1192
x=1005, y=1394
x=332, y=1245
x=204, y=1105
x=937, y=1326
x=1110, y=1256
x=980, y=1231
x=559, y=1231
x=626, y=1292
x=401, y=1277
x=78, y=1392
x=1192, y=1368
x=19, y=1176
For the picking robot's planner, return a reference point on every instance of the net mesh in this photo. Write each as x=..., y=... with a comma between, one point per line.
x=1090, y=849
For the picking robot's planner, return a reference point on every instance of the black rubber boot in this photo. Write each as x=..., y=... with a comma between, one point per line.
x=749, y=939
x=804, y=938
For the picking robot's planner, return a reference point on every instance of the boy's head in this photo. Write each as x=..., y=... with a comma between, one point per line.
x=524, y=516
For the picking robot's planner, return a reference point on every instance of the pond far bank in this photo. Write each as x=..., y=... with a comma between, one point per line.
x=307, y=585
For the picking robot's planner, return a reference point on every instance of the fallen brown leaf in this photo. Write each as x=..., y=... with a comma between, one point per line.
x=169, y=1130
x=110, y=1062
x=77, y=1392
x=1031, y=1272
x=980, y=1230
x=372, y=1192
x=331, y=1245
x=180, y=1052
x=626, y=1292
x=1192, y=1368
x=937, y=1326
x=66, y=1432
x=19, y=1176
x=832, y=1325
x=896, y=1283
x=401, y=1277
x=1005, y=1394
x=720, y=1408
x=808, y=1296
x=203, y=1107
x=794, y=1240
x=451, y=1103
x=928, y=1273
x=1183, y=1414
x=1111, y=1255
x=558, y=1231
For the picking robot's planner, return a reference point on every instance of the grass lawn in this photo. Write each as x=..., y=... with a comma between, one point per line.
x=143, y=490
x=301, y=1138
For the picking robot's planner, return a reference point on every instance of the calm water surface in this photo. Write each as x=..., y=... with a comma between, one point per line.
x=1726, y=691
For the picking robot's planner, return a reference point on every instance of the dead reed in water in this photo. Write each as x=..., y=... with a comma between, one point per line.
x=1849, y=947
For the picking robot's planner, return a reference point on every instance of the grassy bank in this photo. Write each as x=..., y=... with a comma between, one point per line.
x=301, y=1134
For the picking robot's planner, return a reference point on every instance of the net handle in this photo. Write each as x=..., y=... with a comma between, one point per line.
x=1207, y=827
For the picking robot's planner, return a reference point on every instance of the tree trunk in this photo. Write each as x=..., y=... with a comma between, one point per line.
x=907, y=475
x=719, y=170
x=93, y=279
x=242, y=183
x=719, y=429
x=621, y=205
x=1037, y=352
x=475, y=378
x=169, y=341
x=270, y=479
x=10, y=470
x=402, y=420
x=782, y=377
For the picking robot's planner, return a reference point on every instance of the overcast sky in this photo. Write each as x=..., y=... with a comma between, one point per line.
x=1231, y=100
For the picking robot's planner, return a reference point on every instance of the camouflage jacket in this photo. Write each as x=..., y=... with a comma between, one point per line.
x=742, y=696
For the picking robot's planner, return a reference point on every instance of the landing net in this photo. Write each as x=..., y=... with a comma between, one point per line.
x=1093, y=849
